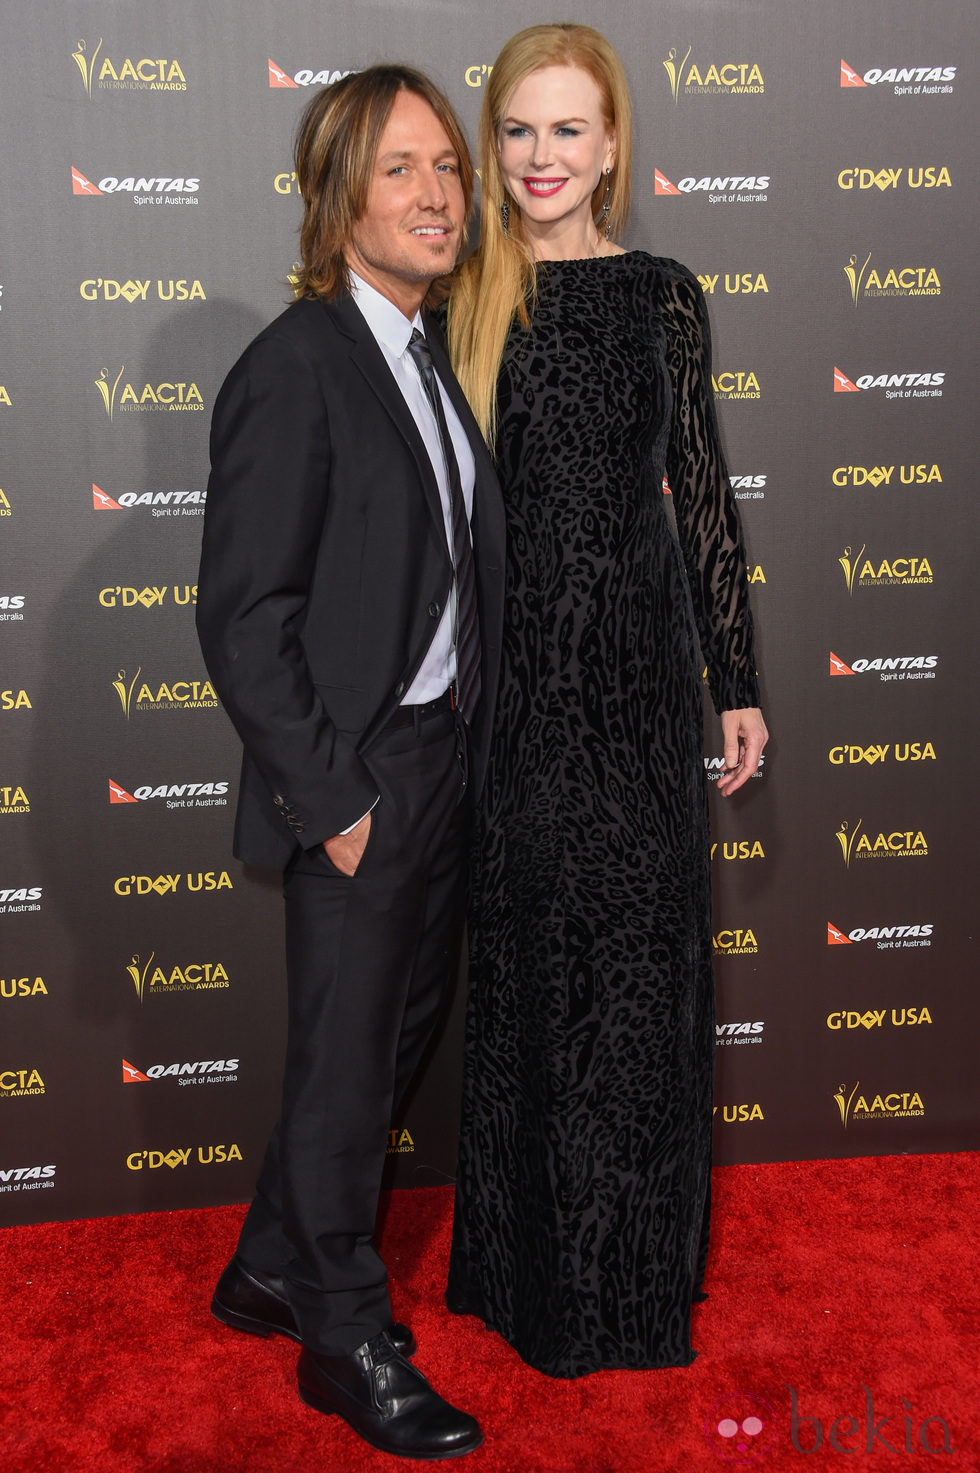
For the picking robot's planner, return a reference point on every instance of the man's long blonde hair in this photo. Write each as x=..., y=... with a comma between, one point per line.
x=497, y=283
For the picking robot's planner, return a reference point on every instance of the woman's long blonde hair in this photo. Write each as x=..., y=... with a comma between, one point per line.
x=497, y=283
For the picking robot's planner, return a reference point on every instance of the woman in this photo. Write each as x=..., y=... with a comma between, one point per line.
x=583, y=1186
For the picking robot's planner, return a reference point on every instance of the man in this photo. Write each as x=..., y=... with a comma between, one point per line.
x=349, y=609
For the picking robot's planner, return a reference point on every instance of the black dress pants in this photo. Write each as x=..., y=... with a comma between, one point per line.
x=369, y=960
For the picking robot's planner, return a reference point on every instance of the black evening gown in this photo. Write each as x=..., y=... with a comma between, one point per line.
x=584, y=1171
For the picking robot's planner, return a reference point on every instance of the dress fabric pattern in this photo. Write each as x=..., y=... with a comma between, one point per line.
x=582, y=1196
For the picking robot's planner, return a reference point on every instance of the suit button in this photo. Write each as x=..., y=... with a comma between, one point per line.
x=400, y=689
x=434, y=611
x=279, y=800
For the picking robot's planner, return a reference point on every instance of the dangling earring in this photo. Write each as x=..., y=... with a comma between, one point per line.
x=505, y=217
x=604, y=212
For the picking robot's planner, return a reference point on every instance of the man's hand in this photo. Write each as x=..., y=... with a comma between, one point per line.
x=745, y=735
x=344, y=850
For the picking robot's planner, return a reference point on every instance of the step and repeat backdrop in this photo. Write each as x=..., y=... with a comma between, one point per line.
x=816, y=166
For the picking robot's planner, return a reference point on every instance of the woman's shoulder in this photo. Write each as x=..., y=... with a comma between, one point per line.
x=671, y=274
x=674, y=290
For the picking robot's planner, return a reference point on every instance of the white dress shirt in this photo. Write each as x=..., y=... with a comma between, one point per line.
x=392, y=332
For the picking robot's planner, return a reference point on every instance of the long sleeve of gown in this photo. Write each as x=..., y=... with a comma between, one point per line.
x=708, y=524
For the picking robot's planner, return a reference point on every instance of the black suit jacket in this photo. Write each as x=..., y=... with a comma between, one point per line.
x=325, y=569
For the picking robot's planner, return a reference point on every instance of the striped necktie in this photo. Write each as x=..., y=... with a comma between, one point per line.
x=467, y=633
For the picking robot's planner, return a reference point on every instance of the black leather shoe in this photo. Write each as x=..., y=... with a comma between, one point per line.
x=387, y=1401
x=247, y=1299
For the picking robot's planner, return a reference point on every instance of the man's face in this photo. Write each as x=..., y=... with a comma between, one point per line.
x=411, y=228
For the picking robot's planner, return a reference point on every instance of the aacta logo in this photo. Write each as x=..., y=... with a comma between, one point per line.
x=875, y=1018
x=399, y=1143
x=712, y=79
x=169, y=396
x=162, y=503
x=878, y=752
x=906, y=80
x=896, y=572
x=181, y=1156
x=164, y=186
x=170, y=884
x=147, y=74
x=888, y=938
x=895, y=385
x=159, y=980
x=5, y=508
x=894, y=281
x=916, y=176
x=883, y=475
x=737, y=283
x=14, y=700
x=738, y=849
x=222, y=1071
x=899, y=844
x=26, y=1178
x=4, y=396
x=22, y=987
x=177, y=795
x=122, y=596
x=888, y=667
x=735, y=943
x=20, y=898
x=855, y=1107
x=740, y=384
x=106, y=289
x=167, y=695
x=16, y=1082
x=305, y=77
x=13, y=800
x=720, y=188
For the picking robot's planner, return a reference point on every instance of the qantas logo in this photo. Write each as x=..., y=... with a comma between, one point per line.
x=895, y=385
x=888, y=667
x=163, y=503
x=134, y=184
x=184, y=1073
x=176, y=794
x=905, y=80
x=720, y=188
x=305, y=77
x=908, y=935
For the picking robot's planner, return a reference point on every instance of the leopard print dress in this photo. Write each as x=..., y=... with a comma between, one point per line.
x=584, y=1169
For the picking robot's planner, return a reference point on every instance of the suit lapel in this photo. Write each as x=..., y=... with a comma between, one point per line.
x=370, y=362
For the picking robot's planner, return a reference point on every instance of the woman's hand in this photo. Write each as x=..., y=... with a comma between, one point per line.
x=745, y=735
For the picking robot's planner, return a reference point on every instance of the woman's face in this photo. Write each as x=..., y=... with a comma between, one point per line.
x=554, y=145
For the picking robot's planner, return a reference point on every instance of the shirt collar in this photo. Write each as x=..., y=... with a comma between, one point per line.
x=389, y=326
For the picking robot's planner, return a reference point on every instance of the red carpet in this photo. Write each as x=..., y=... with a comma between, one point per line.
x=827, y=1277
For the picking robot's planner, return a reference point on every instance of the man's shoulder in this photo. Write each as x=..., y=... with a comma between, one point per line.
x=309, y=324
